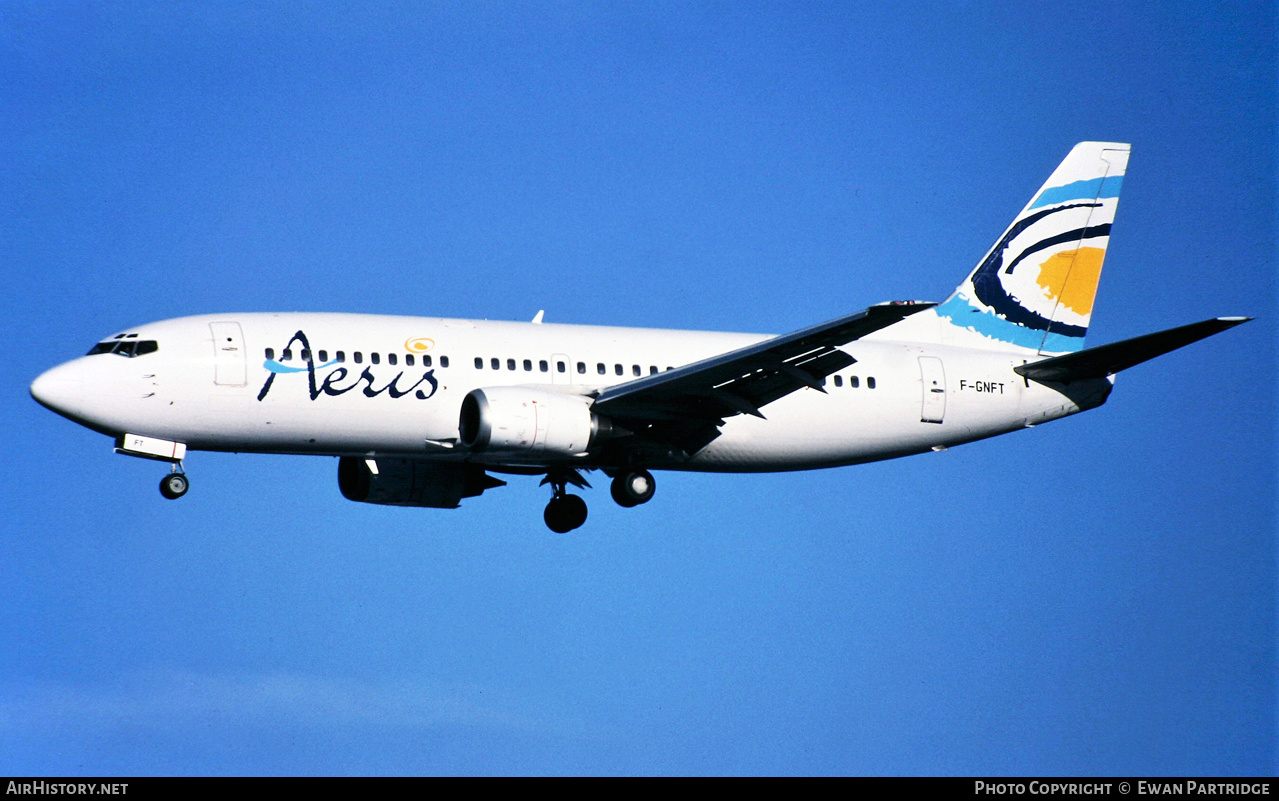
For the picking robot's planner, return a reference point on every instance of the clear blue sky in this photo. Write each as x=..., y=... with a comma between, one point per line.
x=1094, y=596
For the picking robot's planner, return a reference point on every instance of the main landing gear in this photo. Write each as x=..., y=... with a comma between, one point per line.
x=175, y=484
x=566, y=512
x=633, y=488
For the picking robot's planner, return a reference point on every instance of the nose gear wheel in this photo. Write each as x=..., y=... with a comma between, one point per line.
x=174, y=485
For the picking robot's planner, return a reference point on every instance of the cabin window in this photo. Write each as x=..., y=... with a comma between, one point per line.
x=426, y=361
x=617, y=368
x=542, y=366
x=306, y=355
x=270, y=352
x=408, y=360
x=652, y=369
x=340, y=356
x=286, y=356
x=390, y=358
x=510, y=364
x=854, y=381
x=581, y=368
x=479, y=363
x=376, y=358
x=357, y=357
x=870, y=382
x=528, y=365
x=324, y=355
x=635, y=370
x=600, y=368
x=444, y=361
x=560, y=367
x=496, y=364
x=839, y=381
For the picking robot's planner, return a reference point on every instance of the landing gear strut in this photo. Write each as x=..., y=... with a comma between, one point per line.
x=565, y=512
x=633, y=488
x=175, y=484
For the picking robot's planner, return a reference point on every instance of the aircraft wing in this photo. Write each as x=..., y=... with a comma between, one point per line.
x=685, y=407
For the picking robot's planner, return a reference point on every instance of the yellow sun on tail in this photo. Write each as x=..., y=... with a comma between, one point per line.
x=1071, y=276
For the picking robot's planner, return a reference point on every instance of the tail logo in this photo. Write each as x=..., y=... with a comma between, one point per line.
x=1036, y=286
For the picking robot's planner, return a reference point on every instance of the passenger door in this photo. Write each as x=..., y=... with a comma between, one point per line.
x=934, y=381
x=229, y=366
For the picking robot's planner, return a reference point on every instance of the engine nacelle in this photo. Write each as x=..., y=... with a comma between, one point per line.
x=528, y=421
x=411, y=482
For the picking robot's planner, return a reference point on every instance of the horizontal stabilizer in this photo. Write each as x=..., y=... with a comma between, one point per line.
x=1109, y=359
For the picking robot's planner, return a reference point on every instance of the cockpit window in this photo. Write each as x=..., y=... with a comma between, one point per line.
x=125, y=347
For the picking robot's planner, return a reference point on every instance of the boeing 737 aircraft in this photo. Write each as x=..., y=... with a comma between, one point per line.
x=422, y=411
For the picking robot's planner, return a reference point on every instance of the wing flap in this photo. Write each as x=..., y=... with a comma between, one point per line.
x=685, y=406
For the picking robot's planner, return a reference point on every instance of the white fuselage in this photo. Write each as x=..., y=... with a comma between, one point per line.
x=225, y=383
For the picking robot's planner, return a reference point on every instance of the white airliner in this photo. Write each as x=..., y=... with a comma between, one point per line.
x=421, y=410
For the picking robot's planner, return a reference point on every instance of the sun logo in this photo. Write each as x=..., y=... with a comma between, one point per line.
x=419, y=344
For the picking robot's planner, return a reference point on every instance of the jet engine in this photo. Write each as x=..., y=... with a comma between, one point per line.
x=411, y=482
x=529, y=421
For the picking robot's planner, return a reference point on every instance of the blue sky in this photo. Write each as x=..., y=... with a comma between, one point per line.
x=1095, y=596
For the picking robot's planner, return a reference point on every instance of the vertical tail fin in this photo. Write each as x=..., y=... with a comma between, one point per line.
x=1035, y=288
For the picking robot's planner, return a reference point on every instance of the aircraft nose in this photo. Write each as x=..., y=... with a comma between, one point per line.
x=60, y=389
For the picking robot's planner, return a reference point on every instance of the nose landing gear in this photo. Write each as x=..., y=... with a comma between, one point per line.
x=175, y=484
